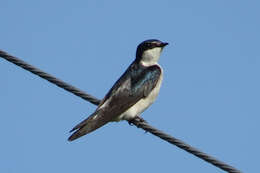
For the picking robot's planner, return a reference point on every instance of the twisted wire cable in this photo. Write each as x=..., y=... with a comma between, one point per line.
x=49, y=77
x=172, y=140
x=138, y=122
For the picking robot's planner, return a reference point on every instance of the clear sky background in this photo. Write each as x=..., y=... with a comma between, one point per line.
x=209, y=97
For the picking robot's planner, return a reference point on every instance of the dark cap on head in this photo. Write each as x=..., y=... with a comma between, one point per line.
x=148, y=44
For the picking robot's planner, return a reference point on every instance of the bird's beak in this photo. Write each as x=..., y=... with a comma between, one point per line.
x=164, y=44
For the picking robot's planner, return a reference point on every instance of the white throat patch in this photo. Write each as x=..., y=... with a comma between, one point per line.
x=151, y=56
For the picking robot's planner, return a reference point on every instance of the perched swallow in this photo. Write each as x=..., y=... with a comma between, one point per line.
x=133, y=92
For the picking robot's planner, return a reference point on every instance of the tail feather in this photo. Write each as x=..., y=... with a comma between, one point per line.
x=77, y=134
x=82, y=128
x=80, y=125
x=90, y=124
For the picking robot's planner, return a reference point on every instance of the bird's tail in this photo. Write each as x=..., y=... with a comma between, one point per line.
x=88, y=125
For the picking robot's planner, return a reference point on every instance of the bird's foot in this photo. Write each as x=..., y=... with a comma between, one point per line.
x=136, y=121
x=131, y=122
x=140, y=119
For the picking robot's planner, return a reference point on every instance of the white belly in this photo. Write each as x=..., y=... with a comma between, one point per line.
x=142, y=104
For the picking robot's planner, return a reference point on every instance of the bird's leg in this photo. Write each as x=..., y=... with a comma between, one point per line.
x=138, y=120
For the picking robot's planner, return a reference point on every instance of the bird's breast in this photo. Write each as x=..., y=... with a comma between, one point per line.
x=142, y=104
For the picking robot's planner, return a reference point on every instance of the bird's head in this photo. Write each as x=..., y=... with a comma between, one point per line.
x=148, y=52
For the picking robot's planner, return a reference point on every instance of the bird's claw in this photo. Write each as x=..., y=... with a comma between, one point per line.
x=130, y=122
x=136, y=121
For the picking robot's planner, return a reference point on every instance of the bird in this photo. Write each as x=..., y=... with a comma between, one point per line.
x=132, y=93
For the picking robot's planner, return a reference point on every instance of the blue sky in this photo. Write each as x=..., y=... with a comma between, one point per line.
x=209, y=97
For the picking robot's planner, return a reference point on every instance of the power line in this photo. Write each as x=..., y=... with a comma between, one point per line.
x=138, y=122
x=49, y=78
